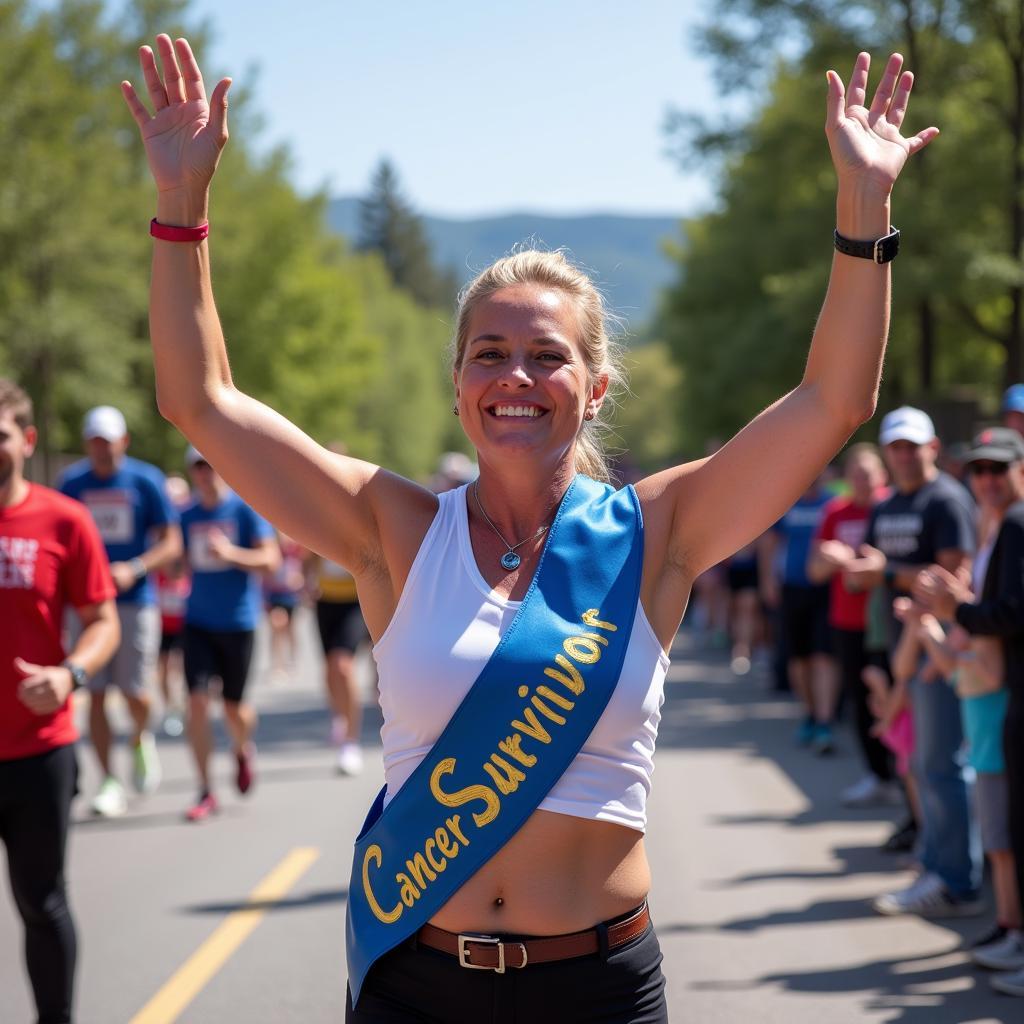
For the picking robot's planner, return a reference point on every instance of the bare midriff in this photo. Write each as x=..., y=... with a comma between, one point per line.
x=557, y=874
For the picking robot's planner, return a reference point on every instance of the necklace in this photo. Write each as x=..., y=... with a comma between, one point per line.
x=510, y=560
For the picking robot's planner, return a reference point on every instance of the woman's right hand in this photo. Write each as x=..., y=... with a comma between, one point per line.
x=185, y=135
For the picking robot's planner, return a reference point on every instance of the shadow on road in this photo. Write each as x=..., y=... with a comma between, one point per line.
x=299, y=902
x=931, y=990
x=707, y=708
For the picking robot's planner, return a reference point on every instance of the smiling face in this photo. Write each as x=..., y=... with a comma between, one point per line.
x=993, y=484
x=522, y=385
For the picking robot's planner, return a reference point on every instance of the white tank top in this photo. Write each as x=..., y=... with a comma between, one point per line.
x=446, y=627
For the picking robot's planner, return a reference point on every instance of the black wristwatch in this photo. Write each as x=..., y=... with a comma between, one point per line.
x=881, y=250
x=79, y=677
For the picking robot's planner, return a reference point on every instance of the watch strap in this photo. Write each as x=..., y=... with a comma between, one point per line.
x=881, y=250
x=79, y=677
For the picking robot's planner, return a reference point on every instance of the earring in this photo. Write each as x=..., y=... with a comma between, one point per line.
x=588, y=415
x=455, y=408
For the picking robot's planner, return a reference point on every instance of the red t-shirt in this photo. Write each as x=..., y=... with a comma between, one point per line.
x=844, y=521
x=172, y=597
x=51, y=557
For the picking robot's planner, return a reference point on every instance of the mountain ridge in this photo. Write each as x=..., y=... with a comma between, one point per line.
x=624, y=253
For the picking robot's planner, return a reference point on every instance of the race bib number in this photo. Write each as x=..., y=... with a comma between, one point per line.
x=114, y=514
x=200, y=554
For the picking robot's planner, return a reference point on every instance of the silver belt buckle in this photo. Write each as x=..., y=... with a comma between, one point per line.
x=487, y=940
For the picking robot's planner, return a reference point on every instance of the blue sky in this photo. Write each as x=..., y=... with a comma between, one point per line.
x=550, y=106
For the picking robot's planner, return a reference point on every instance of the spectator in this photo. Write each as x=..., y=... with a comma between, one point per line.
x=1013, y=408
x=997, y=464
x=843, y=526
x=928, y=519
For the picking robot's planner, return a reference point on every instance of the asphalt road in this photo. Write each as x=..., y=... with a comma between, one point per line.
x=761, y=894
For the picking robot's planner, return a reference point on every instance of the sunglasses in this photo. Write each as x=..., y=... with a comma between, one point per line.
x=989, y=468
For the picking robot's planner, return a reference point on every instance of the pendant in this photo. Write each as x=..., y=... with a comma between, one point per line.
x=510, y=560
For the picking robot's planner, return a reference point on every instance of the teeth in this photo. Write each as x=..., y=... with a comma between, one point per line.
x=516, y=410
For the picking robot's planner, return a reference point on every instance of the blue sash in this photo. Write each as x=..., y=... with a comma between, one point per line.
x=527, y=715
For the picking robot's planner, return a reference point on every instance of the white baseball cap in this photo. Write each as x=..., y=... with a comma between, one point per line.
x=104, y=421
x=906, y=424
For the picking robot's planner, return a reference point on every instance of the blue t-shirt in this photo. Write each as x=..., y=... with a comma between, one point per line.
x=797, y=529
x=125, y=506
x=223, y=597
x=983, y=726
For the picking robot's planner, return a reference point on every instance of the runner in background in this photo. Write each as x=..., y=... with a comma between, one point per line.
x=342, y=630
x=282, y=594
x=172, y=588
x=746, y=621
x=139, y=527
x=804, y=603
x=51, y=560
x=228, y=545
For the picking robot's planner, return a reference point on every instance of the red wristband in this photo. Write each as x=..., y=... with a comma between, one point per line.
x=170, y=233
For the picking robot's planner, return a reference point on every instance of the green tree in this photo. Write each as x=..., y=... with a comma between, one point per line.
x=317, y=331
x=752, y=271
x=646, y=422
x=389, y=226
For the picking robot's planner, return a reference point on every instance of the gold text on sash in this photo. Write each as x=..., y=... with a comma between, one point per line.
x=506, y=768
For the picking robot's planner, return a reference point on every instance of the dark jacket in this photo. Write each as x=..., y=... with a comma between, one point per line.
x=1000, y=612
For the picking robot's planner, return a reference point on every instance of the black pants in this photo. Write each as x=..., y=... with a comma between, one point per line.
x=418, y=985
x=1013, y=754
x=852, y=658
x=35, y=803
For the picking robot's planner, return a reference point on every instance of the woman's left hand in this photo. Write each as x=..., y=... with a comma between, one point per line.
x=868, y=150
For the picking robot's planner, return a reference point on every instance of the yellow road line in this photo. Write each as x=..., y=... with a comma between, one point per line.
x=186, y=983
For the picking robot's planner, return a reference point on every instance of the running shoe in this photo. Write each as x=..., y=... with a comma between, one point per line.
x=871, y=791
x=823, y=742
x=350, y=758
x=110, y=801
x=1005, y=954
x=994, y=934
x=903, y=839
x=805, y=732
x=202, y=808
x=740, y=665
x=245, y=777
x=1009, y=984
x=145, y=764
x=928, y=897
x=173, y=724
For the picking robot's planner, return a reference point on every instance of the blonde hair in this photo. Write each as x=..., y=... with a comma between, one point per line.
x=601, y=353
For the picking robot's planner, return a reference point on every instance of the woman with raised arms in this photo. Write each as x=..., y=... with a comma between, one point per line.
x=504, y=865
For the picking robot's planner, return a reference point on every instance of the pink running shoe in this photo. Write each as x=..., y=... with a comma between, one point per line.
x=246, y=776
x=203, y=808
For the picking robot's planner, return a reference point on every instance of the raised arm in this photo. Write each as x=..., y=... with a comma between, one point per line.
x=776, y=457
x=335, y=505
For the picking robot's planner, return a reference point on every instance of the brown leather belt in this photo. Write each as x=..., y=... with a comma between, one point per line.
x=493, y=953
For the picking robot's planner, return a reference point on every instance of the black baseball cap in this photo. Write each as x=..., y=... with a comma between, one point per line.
x=997, y=444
